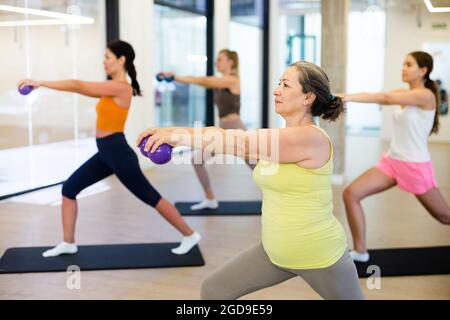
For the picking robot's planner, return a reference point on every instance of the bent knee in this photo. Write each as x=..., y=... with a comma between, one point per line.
x=351, y=194
x=70, y=192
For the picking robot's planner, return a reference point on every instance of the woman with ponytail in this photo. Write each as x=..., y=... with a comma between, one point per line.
x=114, y=155
x=407, y=164
x=300, y=235
x=227, y=97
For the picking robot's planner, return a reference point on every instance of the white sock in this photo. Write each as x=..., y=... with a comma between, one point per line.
x=187, y=243
x=62, y=248
x=359, y=257
x=206, y=204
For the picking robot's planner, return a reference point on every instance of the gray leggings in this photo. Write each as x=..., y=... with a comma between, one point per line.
x=200, y=168
x=252, y=270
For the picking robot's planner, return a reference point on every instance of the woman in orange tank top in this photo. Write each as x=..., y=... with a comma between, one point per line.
x=114, y=155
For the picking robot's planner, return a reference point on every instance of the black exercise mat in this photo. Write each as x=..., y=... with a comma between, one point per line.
x=226, y=208
x=100, y=257
x=407, y=262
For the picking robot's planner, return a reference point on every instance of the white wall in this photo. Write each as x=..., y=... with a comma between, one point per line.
x=222, y=16
x=136, y=27
x=247, y=41
x=366, y=40
x=277, y=46
x=403, y=35
x=221, y=24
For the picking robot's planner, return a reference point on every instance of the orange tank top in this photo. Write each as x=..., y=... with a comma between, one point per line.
x=110, y=116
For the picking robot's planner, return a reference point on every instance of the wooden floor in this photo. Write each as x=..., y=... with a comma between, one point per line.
x=395, y=219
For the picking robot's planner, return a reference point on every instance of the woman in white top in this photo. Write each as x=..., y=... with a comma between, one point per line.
x=407, y=164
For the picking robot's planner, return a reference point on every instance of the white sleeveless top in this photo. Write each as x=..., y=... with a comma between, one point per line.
x=412, y=127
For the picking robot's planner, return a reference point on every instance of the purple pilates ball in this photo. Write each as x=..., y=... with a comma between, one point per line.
x=142, y=147
x=25, y=90
x=162, y=155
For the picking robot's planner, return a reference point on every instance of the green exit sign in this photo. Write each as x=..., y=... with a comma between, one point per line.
x=440, y=26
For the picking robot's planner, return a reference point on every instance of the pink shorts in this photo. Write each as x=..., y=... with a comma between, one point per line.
x=413, y=177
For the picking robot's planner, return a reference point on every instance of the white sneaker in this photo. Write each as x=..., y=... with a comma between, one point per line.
x=62, y=248
x=205, y=204
x=359, y=257
x=187, y=243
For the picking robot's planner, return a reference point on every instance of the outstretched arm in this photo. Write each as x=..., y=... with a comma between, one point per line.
x=288, y=145
x=417, y=97
x=90, y=89
x=211, y=82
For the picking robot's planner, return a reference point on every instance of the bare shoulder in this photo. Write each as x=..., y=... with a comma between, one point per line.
x=125, y=89
x=428, y=97
x=235, y=84
x=314, y=145
x=125, y=86
x=232, y=80
x=424, y=91
x=311, y=134
x=124, y=94
x=400, y=90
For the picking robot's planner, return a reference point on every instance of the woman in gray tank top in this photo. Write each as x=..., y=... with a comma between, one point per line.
x=407, y=163
x=227, y=97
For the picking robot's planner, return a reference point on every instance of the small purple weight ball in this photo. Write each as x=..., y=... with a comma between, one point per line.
x=25, y=90
x=162, y=155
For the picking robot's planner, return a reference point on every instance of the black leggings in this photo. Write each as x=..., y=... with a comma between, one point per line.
x=114, y=156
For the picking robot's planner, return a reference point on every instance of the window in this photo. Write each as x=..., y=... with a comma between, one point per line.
x=246, y=38
x=366, y=43
x=185, y=54
x=40, y=133
x=300, y=29
x=50, y=50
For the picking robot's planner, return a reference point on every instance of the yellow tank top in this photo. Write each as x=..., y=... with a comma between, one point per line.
x=110, y=116
x=299, y=230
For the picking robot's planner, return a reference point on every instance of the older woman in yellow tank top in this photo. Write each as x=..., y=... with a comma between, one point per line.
x=300, y=235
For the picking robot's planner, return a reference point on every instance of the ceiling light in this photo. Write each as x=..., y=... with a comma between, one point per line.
x=58, y=18
x=432, y=9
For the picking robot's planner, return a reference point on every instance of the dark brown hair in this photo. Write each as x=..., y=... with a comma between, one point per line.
x=123, y=49
x=313, y=79
x=425, y=60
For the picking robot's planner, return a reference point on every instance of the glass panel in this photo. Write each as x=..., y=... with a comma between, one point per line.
x=246, y=38
x=304, y=38
x=14, y=108
x=248, y=12
x=366, y=42
x=300, y=29
x=441, y=72
x=45, y=46
x=185, y=54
